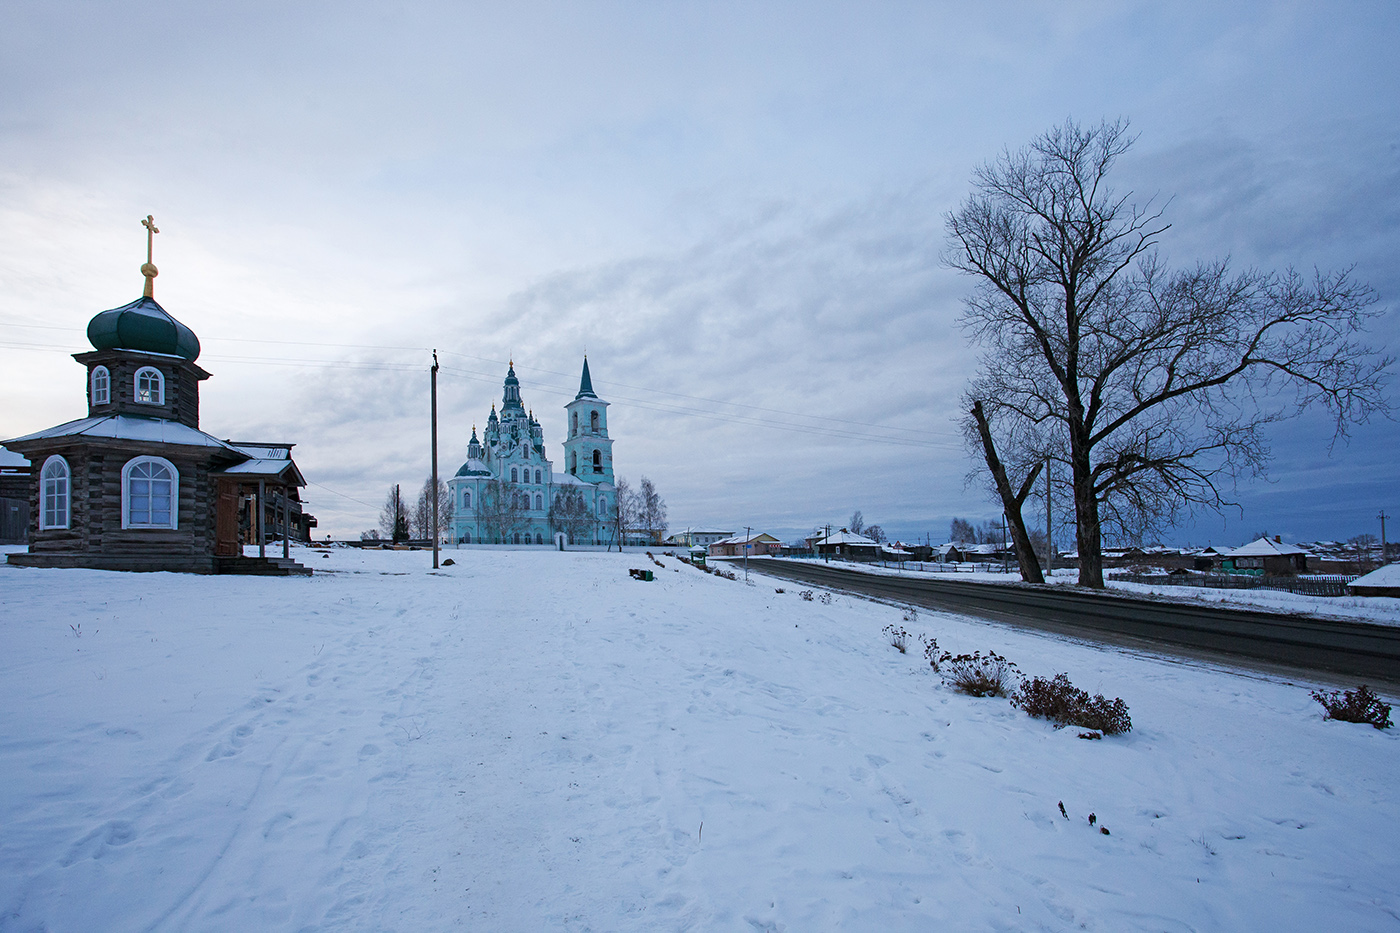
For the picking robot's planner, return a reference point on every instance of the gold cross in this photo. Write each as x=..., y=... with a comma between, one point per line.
x=151, y=229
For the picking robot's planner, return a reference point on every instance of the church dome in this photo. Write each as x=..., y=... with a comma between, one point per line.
x=474, y=467
x=143, y=325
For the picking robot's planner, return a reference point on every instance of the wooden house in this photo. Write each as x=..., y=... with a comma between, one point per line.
x=757, y=544
x=136, y=485
x=1266, y=557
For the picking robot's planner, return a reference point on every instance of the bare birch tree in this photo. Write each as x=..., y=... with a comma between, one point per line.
x=1153, y=385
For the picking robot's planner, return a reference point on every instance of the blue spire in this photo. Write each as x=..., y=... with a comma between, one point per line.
x=585, y=386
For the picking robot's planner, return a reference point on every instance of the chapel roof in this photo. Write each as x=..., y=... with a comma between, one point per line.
x=143, y=325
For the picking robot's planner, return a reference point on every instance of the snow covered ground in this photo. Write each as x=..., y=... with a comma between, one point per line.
x=1382, y=610
x=530, y=740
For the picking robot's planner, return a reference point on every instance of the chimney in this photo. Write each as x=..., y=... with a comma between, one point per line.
x=1278, y=539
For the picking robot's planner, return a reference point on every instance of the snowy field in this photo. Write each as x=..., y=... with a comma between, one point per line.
x=1382, y=610
x=530, y=740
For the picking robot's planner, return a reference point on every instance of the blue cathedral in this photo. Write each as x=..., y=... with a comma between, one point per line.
x=508, y=493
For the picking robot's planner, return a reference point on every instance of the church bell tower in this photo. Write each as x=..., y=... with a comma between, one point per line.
x=588, y=450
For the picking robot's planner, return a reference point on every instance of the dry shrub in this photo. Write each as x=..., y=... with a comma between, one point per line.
x=1064, y=704
x=977, y=675
x=1359, y=705
x=898, y=638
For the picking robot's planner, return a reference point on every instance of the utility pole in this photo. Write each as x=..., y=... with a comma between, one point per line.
x=435, y=473
x=748, y=543
x=827, y=542
x=1383, y=517
x=1049, y=542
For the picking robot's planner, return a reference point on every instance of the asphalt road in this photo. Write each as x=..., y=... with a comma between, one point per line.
x=1271, y=641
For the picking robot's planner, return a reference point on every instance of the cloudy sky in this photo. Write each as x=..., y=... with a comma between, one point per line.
x=736, y=210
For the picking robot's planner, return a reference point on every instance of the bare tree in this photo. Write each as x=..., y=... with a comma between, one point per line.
x=1154, y=386
x=857, y=523
x=651, y=510
x=422, y=520
x=875, y=533
x=629, y=511
x=500, y=511
x=393, y=518
x=962, y=532
x=569, y=513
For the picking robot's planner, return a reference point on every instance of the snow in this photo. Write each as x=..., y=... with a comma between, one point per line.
x=126, y=427
x=1389, y=575
x=1381, y=610
x=531, y=740
x=1263, y=547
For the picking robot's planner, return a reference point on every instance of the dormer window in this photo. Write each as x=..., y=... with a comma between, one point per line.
x=150, y=386
x=101, y=385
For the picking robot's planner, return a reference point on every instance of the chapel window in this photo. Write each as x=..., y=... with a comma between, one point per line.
x=150, y=386
x=101, y=385
x=55, y=490
x=150, y=493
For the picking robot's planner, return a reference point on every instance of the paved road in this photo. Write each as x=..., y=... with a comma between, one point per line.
x=1269, y=640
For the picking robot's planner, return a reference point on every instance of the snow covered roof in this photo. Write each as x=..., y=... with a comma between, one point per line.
x=269, y=469
x=1387, y=576
x=474, y=467
x=132, y=428
x=13, y=461
x=756, y=538
x=1265, y=547
x=846, y=537
x=568, y=479
x=263, y=451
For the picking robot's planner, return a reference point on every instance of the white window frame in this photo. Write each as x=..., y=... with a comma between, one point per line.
x=174, y=494
x=101, y=390
x=159, y=386
x=65, y=494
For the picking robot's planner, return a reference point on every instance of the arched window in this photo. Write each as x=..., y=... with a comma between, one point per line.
x=54, y=489
x=537, y=476
x=603, y=506
x=466, y=498
x=575, y=431
x=514, y=475
x=466, y=537
x=150, y=493
x=539, y=538
x=150, y=386
x=593, y=423
x=517, y=537
x=597, y=461
x=101, y=385
x=539, y=501
x=573, y=462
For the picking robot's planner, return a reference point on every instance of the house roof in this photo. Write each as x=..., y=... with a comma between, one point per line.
x=282, y=470
x=846, y=537
x=1388, y=576
x=759, y=537
x=9, y=460
x=1265, y=547
x=132, y=428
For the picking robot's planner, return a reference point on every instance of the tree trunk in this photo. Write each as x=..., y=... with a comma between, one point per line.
x=1087, y=535
x=1011, y=502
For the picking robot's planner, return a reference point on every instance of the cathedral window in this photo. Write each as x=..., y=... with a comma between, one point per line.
x=514, y=475
x=575, y=431
x=466, y=537
x=597, y=461
x=539, y=502
x=150, y=493
x=517, y=537
x=101, y=385
x=573, y=462
x=593, y=423
x=539, y=538
x=466, y=498
x=150, y=386
x=537, y=476
x=55, y=487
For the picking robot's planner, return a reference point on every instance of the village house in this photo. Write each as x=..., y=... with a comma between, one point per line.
x=755, y=544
